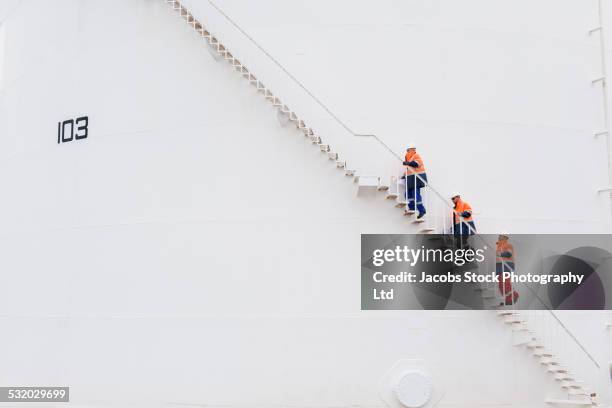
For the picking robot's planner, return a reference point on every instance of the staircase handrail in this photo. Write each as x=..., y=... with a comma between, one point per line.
x=381, y=142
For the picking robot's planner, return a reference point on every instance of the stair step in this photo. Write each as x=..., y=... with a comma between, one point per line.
x=564, y=377
x=541, y=352
x=324, y=148
x=391, y=196
x=409, y=212
x=571, y=384
x=568, y=403
x=535, y=345
x=549, y=360
x=519, y=328
x=340, y=164
x=367, y=181
x=426, y=230
x=418, y=221
x=400, y=204
x=507, y=312
x=332, y=156
x=577, y=391
x=348, y=172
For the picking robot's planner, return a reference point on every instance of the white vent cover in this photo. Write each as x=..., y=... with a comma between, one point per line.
x=414, y=389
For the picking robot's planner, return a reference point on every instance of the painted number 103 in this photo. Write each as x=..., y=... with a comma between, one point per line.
x=72, y=129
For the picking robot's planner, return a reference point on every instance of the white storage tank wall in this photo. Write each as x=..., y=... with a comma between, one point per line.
x=191, y=250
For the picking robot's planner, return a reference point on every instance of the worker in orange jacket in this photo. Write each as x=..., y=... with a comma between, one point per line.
x=463, y=221
x=416, y=178
x=504, y=262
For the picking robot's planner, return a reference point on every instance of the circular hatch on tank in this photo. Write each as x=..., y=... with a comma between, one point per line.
x=414, y=389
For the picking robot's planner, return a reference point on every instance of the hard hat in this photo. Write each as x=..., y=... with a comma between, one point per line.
x=504, y=233
x=411, y=146
x=454, y=195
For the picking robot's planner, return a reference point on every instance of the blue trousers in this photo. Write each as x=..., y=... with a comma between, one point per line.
x=463, y=229
x=462, y=233
x=504, y=267
x=410, y=198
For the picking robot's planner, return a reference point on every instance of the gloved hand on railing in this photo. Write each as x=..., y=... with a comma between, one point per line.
x=411, y=163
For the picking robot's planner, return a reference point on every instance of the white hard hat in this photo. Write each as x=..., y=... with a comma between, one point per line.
x=504, y=233
x=411, y=146
x=455, y=194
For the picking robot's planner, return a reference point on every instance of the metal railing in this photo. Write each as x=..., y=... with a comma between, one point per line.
x=559, y=351
x=445, y=209
x=335, y=117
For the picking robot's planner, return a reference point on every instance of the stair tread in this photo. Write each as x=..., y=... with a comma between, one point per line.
x=568, y=402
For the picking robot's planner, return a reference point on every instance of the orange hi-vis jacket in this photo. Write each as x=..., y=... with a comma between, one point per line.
x=460, y=207
x=414, y=156
x=502, y=248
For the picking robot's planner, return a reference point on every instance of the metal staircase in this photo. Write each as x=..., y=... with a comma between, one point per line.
x=555, y=349
x=438, y=207
x=535, y=331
